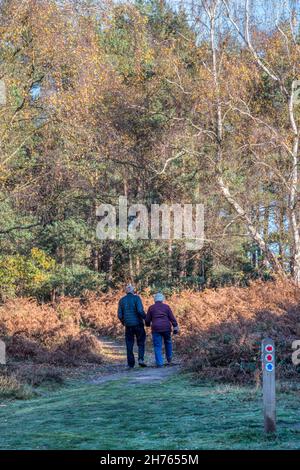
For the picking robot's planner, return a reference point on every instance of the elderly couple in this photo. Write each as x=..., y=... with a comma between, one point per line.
x=159, y=316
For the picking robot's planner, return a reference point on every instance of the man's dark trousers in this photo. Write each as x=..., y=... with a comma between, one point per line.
x=138, y=332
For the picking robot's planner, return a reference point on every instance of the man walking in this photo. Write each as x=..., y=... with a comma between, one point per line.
x=131, y=314
x=161, y=318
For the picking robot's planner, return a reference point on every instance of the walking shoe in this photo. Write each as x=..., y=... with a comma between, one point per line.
x=142, y=364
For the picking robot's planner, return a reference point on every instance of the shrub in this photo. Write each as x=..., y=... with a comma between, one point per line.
x=25, y=275
x=221, y=330
x=11, y=387
x=37, y=375
x=46, y=334
x=75, y=280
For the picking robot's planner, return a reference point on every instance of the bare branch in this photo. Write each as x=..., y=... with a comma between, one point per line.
x=169, y=160
x=246, y=38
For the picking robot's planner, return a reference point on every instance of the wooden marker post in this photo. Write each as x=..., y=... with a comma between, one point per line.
x=269, y=394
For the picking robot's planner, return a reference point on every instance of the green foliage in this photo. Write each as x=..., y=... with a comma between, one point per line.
x=126, y=42
x=71, y=234
x=25, y=275
x=75, y=280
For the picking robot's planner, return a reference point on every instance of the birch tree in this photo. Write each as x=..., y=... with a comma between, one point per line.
x=276, y=51
x=226, y=74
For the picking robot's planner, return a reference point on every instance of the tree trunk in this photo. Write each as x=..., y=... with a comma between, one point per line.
x=62, y=261
x=293, y=198
x=170, y=255
x=272, y=259
x=131, y=270
x=183, y=256
x=110, y=264
x=281, y=233
x=95, y=259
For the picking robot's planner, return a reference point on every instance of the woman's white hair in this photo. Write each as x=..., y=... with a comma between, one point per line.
x=159, y=297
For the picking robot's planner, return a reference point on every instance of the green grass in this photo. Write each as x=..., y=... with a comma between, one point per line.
x=177, y=414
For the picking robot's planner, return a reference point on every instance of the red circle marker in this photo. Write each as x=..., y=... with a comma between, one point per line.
x=269, y=348
x=269, y=357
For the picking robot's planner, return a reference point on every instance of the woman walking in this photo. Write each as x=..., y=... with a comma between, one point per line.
x=160, y=317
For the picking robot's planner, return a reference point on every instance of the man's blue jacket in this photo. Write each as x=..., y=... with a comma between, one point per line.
x=131, y=310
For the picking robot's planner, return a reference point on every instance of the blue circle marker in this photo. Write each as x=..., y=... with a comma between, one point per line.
x=269, y=367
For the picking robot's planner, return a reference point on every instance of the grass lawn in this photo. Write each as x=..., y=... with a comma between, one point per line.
x=175, y=414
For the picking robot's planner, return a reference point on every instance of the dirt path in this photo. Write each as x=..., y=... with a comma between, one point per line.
x=115, y=355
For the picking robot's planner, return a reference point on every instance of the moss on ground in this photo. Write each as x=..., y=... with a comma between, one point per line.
x=175, y=414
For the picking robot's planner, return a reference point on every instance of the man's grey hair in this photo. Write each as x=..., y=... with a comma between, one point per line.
x=129, y=289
